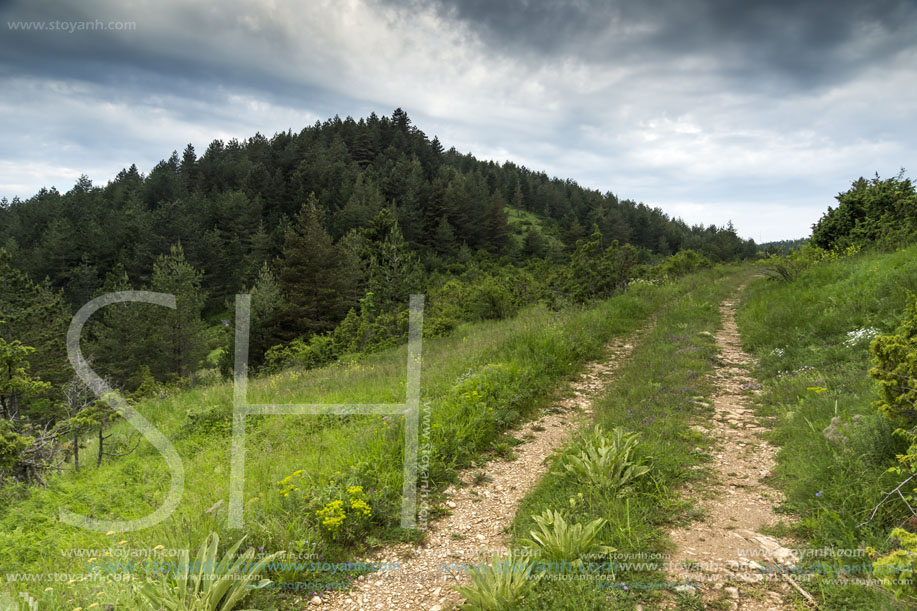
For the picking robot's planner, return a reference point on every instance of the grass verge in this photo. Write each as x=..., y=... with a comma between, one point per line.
x=811, y=338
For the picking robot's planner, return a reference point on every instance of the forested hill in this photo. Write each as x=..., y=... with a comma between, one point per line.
x=230, y=206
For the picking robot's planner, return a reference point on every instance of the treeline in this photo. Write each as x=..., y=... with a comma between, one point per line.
x=230, y=209
x=329, y=230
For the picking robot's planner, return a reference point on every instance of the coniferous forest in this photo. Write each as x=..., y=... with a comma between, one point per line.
x=329, y=229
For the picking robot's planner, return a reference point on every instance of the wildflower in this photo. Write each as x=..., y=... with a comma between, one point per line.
x=858, y=335
x=819, y=493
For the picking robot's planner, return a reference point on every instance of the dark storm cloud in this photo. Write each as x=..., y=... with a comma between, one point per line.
x=800, y=44
x=134, y=55
x=712, y=109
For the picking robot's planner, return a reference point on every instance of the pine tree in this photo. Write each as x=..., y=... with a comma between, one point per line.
x=362, y=206
x=188, y=169
x=17, y=384
x=496, y=225
x=308, y=272
x=267, y=307
x=120, y=334
x=260, y=246
x=179, y=332
x=533, y=243
x=444, y=237
x=394, y=271
x=36, y=315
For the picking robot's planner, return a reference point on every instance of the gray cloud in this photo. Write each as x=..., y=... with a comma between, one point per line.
x=712, y=109
x=802, y=44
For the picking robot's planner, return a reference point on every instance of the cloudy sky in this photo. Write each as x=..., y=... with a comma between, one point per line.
x=711, y=109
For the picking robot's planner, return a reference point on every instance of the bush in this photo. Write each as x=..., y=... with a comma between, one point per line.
x=683, y=262
x=317, y=351
x=898, y=570
x=895, y=368
x=12, y=445
x=872, y=211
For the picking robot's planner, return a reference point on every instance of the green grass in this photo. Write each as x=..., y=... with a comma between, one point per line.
x=798, y=331
x=657, y=393
x=479, y=381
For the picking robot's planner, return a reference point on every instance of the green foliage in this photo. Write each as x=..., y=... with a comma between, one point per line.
x=788, y=267
x=393, y=271
x=309, y=275
x=34, y=315
x=501, y=584
x=317, y=351
x=209, y=583
x=267, y=308
x=605, y=460
x=897, y=570
x=12, y=447
x=873, y=211
x=895, y=368
x=177, y=334
x=16, y=383
x=681, y=263
x=557, y=540
x=595, y=273
x=334, y=515
x=17, y=386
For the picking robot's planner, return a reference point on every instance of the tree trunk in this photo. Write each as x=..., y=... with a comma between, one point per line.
x=101, y=441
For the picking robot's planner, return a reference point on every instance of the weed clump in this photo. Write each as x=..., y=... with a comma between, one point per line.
x=606, y=460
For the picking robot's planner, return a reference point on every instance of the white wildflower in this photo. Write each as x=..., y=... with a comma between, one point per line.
x=858, y=335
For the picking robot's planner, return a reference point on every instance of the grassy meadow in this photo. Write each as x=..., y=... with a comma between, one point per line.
x=477, y=382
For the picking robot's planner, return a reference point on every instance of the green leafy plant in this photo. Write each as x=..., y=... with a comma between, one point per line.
x=897, y=569
x=557, y=540
x=605, y=460
x=500, y=584
x=895, y=368
x=350, y=518
x=208, y=584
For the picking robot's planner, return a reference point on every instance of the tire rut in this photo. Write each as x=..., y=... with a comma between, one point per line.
x=480, y=512
x=723, y=557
